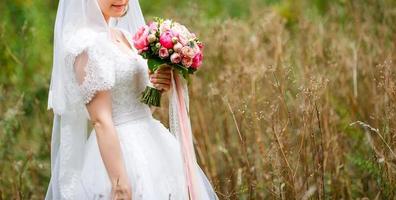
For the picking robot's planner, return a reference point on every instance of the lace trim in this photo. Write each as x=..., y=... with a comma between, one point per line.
x=99, y=72
x=98, y=78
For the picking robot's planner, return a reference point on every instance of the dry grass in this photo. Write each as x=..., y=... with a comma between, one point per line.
x=274, y=106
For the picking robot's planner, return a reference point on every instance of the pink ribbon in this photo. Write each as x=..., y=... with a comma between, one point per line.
x=186, y=140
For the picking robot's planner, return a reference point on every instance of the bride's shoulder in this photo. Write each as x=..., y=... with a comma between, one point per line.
x=86, y=39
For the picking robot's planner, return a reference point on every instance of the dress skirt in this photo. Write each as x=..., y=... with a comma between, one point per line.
x=153, y=162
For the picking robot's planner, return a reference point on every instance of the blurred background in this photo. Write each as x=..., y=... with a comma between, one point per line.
x=296, y=98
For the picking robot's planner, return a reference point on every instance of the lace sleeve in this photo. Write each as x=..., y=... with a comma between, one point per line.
x=89, y=67
x=93, y=73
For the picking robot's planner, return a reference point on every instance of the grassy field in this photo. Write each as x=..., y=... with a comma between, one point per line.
x=296, y=99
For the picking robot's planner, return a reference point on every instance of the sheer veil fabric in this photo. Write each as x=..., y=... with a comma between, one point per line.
x=77, y=23
x=69, y=131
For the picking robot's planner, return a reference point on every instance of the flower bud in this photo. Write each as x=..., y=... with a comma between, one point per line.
x=158, y=45
x=151, y=38
x=174, y=40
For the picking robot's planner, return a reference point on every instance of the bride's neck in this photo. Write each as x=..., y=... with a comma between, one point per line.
x=107, y=18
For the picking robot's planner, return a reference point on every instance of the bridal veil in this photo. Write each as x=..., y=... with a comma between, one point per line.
x=69, y=132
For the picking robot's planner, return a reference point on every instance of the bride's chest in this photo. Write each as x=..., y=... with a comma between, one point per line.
x=131, y=72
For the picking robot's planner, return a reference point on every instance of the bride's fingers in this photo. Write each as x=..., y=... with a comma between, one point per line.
x=164, y=76
x=115, y=196
x=160, y=80
x=120, y=194
x=153, y=79
x=162, y=86
x=162, y=73
x=166, y=70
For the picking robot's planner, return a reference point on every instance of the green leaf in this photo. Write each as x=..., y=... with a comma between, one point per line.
x=180, y=68
x=154, y=63
x=191, y=70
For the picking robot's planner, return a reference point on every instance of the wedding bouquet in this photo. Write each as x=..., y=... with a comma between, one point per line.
x=163, y=41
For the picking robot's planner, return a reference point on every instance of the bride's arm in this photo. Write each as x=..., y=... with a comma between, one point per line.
x=100, y=112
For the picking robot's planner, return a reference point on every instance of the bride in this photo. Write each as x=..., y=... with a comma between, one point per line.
x=98, y=77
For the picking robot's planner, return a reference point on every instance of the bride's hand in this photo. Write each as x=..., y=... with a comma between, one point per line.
x=161, y=78
x=121, y=191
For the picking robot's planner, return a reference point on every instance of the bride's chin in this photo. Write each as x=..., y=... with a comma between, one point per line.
x=116, y=14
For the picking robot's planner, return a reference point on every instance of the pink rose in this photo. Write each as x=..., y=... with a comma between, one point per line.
x=197, y=60
x=187, y=61
x=183, y=40
x=177, y=47
x=166, y=39
x=140, y=38
x=163, y=52
x=153, y=26
x=188, y=52
x=175, y=58
x=182, y=31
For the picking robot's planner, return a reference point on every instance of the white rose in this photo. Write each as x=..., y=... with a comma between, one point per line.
x=166, y=25
x=152, y=38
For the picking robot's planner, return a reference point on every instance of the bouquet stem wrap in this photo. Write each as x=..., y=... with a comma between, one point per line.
x=151, y=96
x=180, y=126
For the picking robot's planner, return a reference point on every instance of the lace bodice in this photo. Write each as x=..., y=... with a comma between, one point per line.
x=131, y=78
x=108, y=67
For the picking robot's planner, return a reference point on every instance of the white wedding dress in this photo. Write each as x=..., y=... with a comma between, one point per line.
x=151, y=153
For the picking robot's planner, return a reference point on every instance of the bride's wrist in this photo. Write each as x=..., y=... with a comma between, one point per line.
x=120, y=187
x=119, y=182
